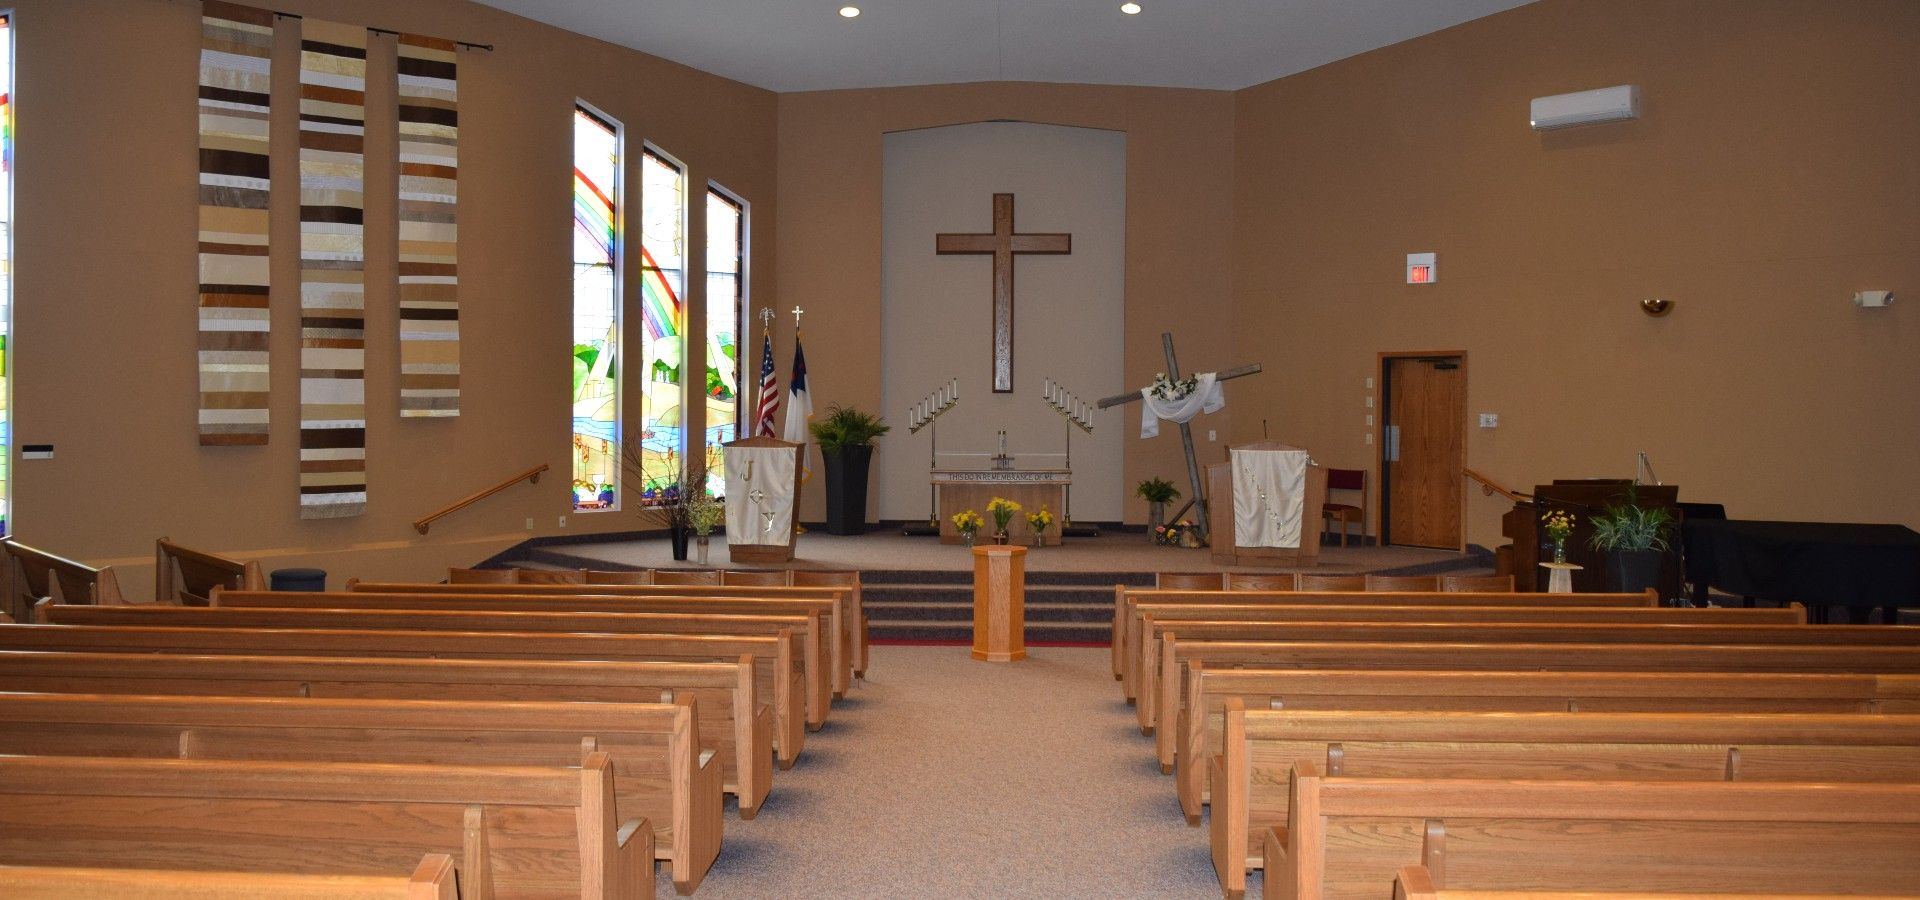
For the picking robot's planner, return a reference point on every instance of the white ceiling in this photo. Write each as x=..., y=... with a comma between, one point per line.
x=802, y=45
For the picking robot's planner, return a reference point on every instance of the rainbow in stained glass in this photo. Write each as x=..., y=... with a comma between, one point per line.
x=663, y=241
x=726, y=303
x=596, y=311
x=6, y=274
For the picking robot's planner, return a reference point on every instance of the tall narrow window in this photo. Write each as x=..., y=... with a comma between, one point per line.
x=6, y=275
x=726, y=309
x=596, y=310
x=663, y=282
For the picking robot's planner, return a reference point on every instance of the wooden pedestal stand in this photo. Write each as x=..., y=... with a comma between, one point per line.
x=999, y=603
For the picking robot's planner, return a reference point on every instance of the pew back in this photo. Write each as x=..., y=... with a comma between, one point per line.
x=187, y=576
x=36, y=575
x=432, y=879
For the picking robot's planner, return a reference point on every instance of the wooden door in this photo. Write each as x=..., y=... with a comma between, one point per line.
x=1423, y=450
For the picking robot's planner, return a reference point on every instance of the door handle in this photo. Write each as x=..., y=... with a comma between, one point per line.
x=1393, y=443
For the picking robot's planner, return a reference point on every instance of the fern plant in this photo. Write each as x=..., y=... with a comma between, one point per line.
x=1631, y=527
x=847, y=427
x=1157, y=490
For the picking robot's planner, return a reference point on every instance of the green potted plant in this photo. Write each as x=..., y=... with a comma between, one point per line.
x=1634, y=538
x=846, y=438
x=1158, y=492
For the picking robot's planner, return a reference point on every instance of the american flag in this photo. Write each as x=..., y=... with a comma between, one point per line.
x=769, y=390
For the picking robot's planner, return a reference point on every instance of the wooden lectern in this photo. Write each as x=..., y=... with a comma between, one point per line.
x=766, y=553
x=999, y=603
x=1220, y=516
x=1584, y=498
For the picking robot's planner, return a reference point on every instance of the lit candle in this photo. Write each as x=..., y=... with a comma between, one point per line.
x=956, y=388
x=1047, y=391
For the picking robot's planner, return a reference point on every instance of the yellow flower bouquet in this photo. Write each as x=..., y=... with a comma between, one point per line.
x=1003, y=511
x=967, y=522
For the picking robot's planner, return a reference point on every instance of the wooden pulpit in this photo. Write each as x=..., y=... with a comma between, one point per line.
x=744, y=543
x=1220, y=516
x=1584, y=498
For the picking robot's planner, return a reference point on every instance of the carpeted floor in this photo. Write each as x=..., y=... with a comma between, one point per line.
x=1111, y=552
x=944, y=777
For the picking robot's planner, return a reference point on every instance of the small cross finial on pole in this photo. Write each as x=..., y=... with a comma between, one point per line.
x=766, y=317
x=797, y=313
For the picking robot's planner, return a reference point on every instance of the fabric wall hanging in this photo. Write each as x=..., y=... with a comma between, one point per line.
x=333, y=426
x=429, y=234
x=236, y=47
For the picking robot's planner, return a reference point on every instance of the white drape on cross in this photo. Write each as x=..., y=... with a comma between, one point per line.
x=1206, y=397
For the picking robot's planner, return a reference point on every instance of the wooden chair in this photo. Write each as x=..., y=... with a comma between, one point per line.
x=1346, y=480
x=1476, y=583
x=1379, y=583
x=687, y=576
x=1311, y=582
x=640, y=576
x=482, y=576
x=190, y=578
x=1189, y=581
x=550, y=576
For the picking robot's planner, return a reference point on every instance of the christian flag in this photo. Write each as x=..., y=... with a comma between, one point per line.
x=799, y=406
x=769, y=390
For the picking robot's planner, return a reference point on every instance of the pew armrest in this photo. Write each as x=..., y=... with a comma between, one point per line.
x=633, y=861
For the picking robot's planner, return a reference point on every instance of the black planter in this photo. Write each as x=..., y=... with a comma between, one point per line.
x=679, y=537
x=847, y=488
x=1633, y=571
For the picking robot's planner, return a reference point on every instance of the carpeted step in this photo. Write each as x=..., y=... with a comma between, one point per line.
x=962, y=632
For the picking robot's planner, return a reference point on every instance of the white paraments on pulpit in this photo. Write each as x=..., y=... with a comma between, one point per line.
x=1269, y=493
x=759, y=494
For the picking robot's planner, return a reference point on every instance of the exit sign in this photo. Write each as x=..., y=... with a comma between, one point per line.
x=1421, y=268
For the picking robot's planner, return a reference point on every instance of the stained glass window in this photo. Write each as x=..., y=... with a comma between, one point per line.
x=596, y=310
x=663, y=281
x=726, y=307
x=6, y=274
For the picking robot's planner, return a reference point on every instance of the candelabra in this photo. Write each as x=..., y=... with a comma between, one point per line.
x=1078, y=415
x=923, y=415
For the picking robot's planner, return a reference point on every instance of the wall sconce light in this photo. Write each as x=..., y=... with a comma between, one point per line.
x=1656, y=307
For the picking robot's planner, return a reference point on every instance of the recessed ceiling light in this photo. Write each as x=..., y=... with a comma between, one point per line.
x=1132, y=9
x=848, y=12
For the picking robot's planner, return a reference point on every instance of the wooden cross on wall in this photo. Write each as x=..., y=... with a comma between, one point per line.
x=1002, y=244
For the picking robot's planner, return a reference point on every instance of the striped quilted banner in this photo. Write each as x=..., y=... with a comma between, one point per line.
x=429, y=234
x=236, y=48
x=333, y=416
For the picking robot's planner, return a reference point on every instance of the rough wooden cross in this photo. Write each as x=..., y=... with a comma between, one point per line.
x=1002, y=244
x=1198, y=497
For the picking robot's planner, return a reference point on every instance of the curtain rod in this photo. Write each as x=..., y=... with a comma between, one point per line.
x=377, y=30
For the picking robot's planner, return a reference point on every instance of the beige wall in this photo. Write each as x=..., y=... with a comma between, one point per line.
x=1069, y=314
x=1771, y=175
x=104, y=362
x=1178, y=232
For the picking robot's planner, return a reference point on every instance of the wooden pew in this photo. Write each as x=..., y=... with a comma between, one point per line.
x=188, y=577
x=1261, y=746
x=1419, y=883
x=515, y=831
x=1308, y=581
x=1403, y=582
x=1347, y=837
x=660, y=773
x=835, y=654
x=1142, y=646
x=1150, y=712
x=805, y=632
x=1477, y=656
x=776, y=672
x=432, y=879
x=857, y=624
x=36, y=575
x=733, y=721
x=1124, y=598
x=1209, y=690
x=846, y=598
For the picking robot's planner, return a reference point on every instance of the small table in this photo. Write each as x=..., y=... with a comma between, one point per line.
x=1560, y=576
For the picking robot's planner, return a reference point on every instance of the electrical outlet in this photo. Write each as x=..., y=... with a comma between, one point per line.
x=1212, y=435
x=1369, y=382
x=1369, y=402
x=1369, y=437
x=529, y=523
x=1369, y=420
x=563, y=521
x=1489, y=420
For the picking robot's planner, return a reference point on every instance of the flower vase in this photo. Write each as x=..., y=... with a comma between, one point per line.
x=1039, y=539
x=968, y=537
x=700, y=549
x=1156, y=517
x=1559, y=551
